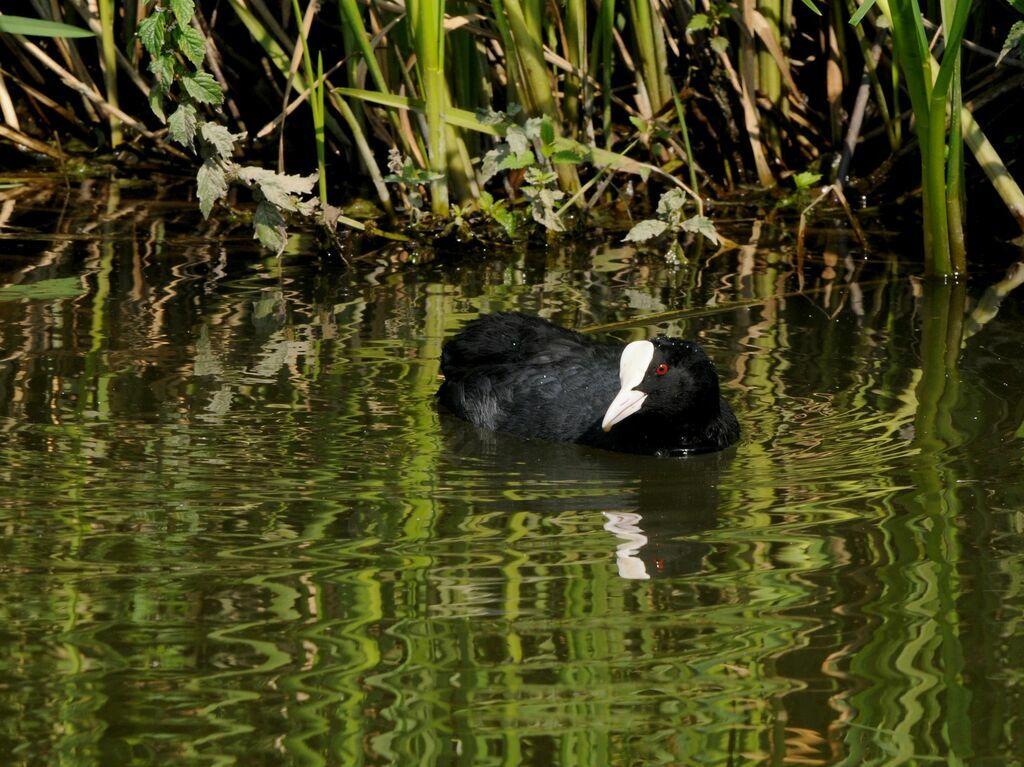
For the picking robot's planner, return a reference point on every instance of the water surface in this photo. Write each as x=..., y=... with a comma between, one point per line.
x=235, y=529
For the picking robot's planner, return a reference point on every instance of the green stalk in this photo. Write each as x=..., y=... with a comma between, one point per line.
x=513, y=62
x=427, y=22
x=318, y=126
x=533, y=12
x=867, y=51
x=954, y=20
x=468, y=88
x=933, y=150
x=606, y=22
x=576, y=53
x=536, y=84
x=316, y=99
x=109, y=54
x=280, y=60
x=690, y=164
x=352, y=22
x=651, y=49
x=354, y=32
x=930, y=101
x=769, y=80
x=364, y=151
x=955, y=178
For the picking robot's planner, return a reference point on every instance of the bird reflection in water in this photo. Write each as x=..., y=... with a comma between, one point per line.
x=655, y=507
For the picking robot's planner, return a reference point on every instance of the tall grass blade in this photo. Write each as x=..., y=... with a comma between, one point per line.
x=21, y=25
x=426, y=18
x=108, y=53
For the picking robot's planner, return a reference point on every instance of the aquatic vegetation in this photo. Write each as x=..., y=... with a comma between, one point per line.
x=719, y=93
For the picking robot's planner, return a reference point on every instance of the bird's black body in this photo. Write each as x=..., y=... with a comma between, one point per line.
x=514, y=373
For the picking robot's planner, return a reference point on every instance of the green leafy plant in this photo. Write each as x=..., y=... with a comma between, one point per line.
x=500, y=212
x=177, y=52
x=411, y=180
x=806, y=179
x=534, y=148
x=671, y=220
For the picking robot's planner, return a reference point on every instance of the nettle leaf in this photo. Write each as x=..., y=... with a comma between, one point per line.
x=806, y=179
x=182, y=125
x=702, y=225
x=566, y=157
x=671, y=202
x=395, y=160
x=162, y=67
x=543, y=209
x=505, y=217
x=490, y=117
x=156, y=101
x=191, y=43
x=212, y=185
x=183, y=11
x=489, y=163
x=203, y=88
x=547, y=131
x=220, y=139
x=719, y=44
x=151, y=32
x=518, y=141
x=269, y=227
x=698, y=22
x=278, y=188
x=306, y=208
x=537, y=177
x=646, y=230
x=533, y=128
x=1014, y=45
x=515, y=161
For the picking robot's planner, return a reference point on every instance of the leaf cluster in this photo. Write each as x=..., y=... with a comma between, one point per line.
x=532, y=148
x=177, y=51
x=671, y=219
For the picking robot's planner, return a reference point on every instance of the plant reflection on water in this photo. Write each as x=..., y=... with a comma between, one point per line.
x=237, y=530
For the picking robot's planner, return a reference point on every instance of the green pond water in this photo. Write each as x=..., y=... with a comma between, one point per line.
x=234, y=529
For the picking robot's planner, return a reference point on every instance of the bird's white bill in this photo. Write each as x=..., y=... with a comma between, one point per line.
x=633, y=364
x=626, y=402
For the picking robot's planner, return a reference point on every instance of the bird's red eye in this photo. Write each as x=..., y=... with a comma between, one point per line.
x=661, y=369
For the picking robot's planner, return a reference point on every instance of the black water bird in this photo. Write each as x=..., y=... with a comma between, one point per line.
x=514, y=373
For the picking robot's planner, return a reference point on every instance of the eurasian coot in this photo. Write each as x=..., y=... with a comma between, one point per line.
x=515, y=373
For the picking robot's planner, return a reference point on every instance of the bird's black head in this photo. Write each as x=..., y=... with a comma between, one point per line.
x=668, y=378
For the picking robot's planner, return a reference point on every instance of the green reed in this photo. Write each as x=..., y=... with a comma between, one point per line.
x=426, y=21
x=108, y=59
x=935, y=92
x=317, y=89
